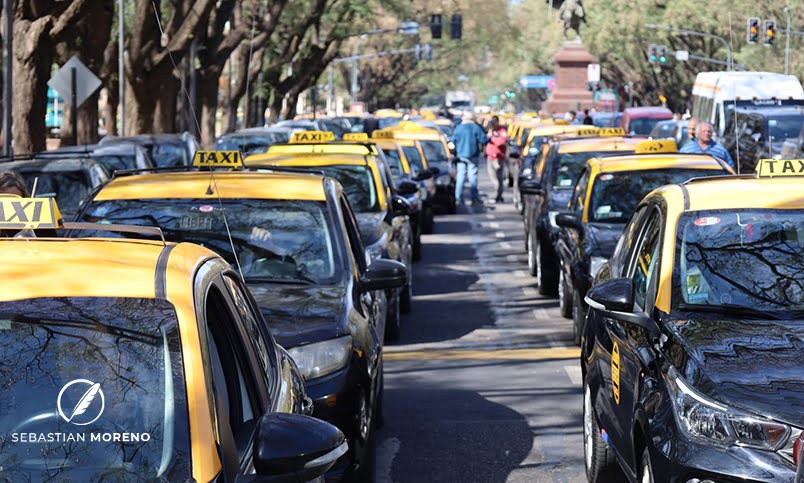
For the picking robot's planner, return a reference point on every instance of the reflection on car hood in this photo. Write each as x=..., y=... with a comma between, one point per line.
x=300, y=314
x=751, y=364
x=605, y=237
x=370, y=226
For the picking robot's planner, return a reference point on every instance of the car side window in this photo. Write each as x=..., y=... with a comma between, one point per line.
x=646, y=260
x=353, y=235
x=579, y=196
x=619, y=259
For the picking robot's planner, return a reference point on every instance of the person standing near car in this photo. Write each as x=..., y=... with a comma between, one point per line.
x=704, y=144
x=468, y=137
x=496, y=153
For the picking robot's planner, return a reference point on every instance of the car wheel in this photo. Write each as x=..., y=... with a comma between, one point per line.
x=429, y=221
x=646, y=475
x=548, y=278
x=406, y=296
x=368, y=460
x=564, y=295
x=578, y=317
x=417, y=248
x=533, y=268
x=392, y=322
x=601, y=467
x=379, y=419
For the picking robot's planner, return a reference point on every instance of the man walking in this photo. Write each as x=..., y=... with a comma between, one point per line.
x=704, y=144
x=496, y=153
x=467, y=137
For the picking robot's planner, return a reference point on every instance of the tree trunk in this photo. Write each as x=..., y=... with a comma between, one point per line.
x=151, y=101
x=33, y=56
x=276, y=107
x=208, y=98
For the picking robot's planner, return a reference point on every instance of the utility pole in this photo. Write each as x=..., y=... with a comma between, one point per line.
x=8, y=9
x=121, y=69
x=355, y=63
x=787, y=42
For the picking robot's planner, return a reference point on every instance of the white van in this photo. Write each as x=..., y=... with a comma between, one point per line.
x=714, y=94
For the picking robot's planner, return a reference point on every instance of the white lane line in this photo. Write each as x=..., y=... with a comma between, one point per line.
x=512, y=258
x=574, y=373
x=489, y=216
x=505, y=245
x=386, y=452
x=494, y=225
x=520, y=273
x=530, y=292
x=500, y=234
x=541, y=314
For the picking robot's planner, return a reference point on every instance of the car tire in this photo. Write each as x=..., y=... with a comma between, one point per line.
x=533, y=263
x=406, y=296
x=564, y=295
x=416, y=254
x=379, y=418
x=578, y=317
x=368, y=465
x=599, y=461
x=429, y=221
x=646, y=469
x=392, y=321
x=547, y=278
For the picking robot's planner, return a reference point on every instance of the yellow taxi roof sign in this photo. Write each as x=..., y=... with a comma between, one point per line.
x=308, y=137
x=217, y=159
x=355, y=136
x=18, y=213
x=561, y=122
x=611, y=132
x=383, y=134
x=588, y=131
x=655, y=146
x=770, y=168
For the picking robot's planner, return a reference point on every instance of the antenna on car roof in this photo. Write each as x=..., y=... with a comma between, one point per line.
x=198, y=127
x=734, y=108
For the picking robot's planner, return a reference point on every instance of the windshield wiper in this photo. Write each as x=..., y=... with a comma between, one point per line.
x=294, y=281
x=732, y=309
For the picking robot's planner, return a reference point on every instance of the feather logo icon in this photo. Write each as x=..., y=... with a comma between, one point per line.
x=90, y=402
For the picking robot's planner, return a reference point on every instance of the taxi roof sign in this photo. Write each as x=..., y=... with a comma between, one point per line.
x=656, y=146
x=383, y=134
x=770, y=168
x=355, y=136
x=217, y=159
x=18, y=213
x=611, y=132
x=312, y=137
x=588, y=131
x=561, y=122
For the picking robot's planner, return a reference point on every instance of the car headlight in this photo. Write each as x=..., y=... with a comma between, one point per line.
x=443, y=179
x=714, y=423
x=322, y=358
x=595, y=264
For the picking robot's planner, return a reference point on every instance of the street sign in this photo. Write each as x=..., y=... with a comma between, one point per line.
x=682, y=55
x=86, y=83
x=593, y=73
x=357, y=108
x=607, y=100
x=535, y=81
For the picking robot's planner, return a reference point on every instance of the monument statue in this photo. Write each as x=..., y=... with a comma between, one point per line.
x=572, y=14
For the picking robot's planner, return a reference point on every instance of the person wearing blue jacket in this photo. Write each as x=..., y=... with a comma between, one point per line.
x=468, y=138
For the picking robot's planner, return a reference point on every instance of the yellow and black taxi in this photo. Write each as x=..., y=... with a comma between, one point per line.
x=605, y=196
x=691, y=352
x=141, y=360
x=383, y=217
x=547, y=190
x=295, y=240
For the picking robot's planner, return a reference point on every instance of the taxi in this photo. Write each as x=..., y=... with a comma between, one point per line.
x=294, y=239
x=436, y=152
x=547, y=190
x=605, y=196
x=691, y=352
x=382, y=216
x=147, y=358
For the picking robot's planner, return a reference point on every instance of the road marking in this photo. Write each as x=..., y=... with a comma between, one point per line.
x=520, y=273
x=494, y=225
x=489, y=216
x=530, y=292
x=512, y=258
x=386, y=452
x=574, y=373
x=542, y=314
x=503, y=354
x=500, y=234
x=505, y=245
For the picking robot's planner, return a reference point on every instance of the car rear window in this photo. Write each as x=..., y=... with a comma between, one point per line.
x=93, y=390
x=568, y=166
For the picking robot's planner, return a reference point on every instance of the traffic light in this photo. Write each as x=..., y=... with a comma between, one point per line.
x=653, y=53
x=752, y=30
x=455, y=26
x=770, y=32
x=661, y=52
x=435, y=25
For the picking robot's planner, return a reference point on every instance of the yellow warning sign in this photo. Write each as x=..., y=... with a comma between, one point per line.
x=615, y=372
x=217, y=159
x=29, y=213
x=308, y=137
x=769, y=168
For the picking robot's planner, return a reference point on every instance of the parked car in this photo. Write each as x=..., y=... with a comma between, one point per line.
x=675, y=129
x=115, y=157
x=639, y=121
x=252, y=140
x=753, y=133
x=166, y=150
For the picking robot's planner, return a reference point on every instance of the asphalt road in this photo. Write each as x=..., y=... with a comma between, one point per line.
x=484, y=383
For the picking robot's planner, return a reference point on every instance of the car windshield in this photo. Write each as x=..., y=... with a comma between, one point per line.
x=615, y=196
x=247, y=143
x=434, y=152
x=414, y=157
x=607, y=119
x=117, y=162
x=93, y=390
x=643, y=125
x=358, y=184
x=783, y=128
x=394, y=162
x=751, y=257
x=385, y=122
x=273, y=239
x=69, y=188
x=568, y=166
x=334, y=127
x=663, y=130
x=168, y=154
x=446, y=129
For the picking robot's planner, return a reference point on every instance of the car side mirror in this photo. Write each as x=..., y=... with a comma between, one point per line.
x=295, y=447
x=407, y=188
x=569, y=219
x=435, y=170
x=530, y=187
x=615, y=299
x=384, y=274
x=422, y=175
x=400, y=206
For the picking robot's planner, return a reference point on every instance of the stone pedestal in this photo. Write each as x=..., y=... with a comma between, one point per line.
x=571, y=93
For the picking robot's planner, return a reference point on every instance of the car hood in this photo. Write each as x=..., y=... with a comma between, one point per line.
x=370, y=226
x=604, y=237
x=300, y=314
x=751, y=364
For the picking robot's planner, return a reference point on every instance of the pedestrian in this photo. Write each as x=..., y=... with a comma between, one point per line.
x=12, y=183
x=573, y=118
x=693, y=122
x=468, y=137
x=587, y=118
x=496, y=156
x=704, y=144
